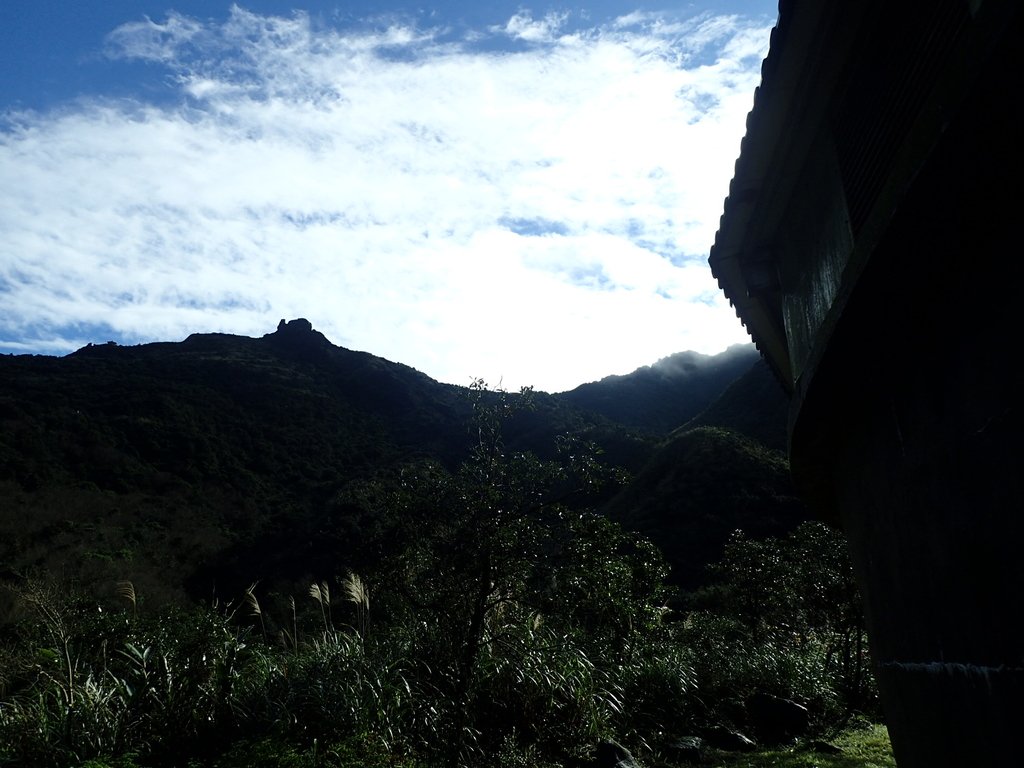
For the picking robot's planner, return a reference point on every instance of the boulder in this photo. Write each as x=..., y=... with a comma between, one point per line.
x=689, y=749
x=611, y=754
x=775, y=720
x=721, y=737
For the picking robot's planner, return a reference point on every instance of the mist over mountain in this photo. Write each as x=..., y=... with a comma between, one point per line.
x=193, y=468
x=667, y=394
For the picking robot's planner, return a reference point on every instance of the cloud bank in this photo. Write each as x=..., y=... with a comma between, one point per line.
x=528, y=201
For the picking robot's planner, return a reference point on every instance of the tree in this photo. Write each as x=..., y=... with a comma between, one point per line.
x=790, y=613
x=482, y=556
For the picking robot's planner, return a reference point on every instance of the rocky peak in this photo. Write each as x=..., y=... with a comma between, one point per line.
x=298, y=335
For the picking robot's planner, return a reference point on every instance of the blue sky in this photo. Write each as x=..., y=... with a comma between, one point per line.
x=521, y=193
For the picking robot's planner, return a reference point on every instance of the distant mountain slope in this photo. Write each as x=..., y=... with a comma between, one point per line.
x=120, y=462
x=700, y=486
x=666, y=395
x=216, y=407
x=201, y=465
x=754, y=405
x=154, y=462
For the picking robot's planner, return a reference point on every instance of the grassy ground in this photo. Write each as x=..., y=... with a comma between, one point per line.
x=862, y=748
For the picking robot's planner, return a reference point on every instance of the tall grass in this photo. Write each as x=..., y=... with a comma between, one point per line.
x=560, y=661
x=93, y=683
x=106, y=683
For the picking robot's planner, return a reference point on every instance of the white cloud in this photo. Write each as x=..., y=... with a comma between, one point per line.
x=523, y=26
x=371, y=182
x=154, y=41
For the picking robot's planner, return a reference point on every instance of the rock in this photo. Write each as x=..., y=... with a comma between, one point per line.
x=613, y=755
x=775, y=720
x=298, y=338
x=688, y=749
x=295, y=327
x=721, y=737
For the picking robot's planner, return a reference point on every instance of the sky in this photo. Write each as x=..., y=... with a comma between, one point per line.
x=521, y=193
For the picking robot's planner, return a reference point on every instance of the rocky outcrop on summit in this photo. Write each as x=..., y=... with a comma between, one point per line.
x=298, y=336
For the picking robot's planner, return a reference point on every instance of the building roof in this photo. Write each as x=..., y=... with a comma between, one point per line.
x=875, y=83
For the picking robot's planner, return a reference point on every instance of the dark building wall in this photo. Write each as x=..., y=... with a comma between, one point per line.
x=872, y=245
x=911, y=430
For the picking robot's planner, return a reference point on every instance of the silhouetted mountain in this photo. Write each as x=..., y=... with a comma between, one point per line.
x=199, y=466
x=754, y=405
x=664, y=396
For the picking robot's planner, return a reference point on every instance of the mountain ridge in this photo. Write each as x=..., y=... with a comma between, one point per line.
x=221, y=456
x=705, y=375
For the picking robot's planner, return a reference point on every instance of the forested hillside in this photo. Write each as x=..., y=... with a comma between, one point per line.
x=224, y=458
x=278, y=551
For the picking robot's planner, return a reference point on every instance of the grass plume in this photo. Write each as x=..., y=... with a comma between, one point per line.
x=322, y=594
x=254, y=607
x=356, y=592
x=126, y=591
